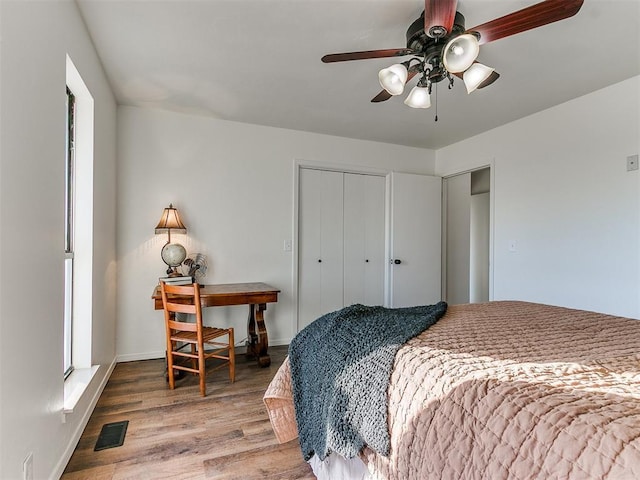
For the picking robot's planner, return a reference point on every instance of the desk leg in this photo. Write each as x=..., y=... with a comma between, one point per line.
x=258, y=343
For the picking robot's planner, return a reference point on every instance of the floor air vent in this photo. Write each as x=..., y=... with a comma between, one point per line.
x=111, y=435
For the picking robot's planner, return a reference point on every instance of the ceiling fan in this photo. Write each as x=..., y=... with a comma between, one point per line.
x=441, y=47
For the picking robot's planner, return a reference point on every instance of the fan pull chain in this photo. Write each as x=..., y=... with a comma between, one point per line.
x=436, y=102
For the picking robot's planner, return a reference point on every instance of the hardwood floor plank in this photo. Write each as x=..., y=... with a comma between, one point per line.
x=177, y=434
x=103, y=472
x=274, y=464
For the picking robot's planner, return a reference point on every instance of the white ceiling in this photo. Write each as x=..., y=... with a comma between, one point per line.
x=258, y=61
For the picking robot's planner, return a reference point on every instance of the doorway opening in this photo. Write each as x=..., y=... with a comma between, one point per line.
x=467, y=237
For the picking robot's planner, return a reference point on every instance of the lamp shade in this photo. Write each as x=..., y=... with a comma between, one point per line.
x=170, y=220
x=460, y=52
x=418, y=98
x=475, y=75
x=393, y=78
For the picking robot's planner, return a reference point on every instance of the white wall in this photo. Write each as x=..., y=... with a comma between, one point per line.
x=233, y=185
x=563, y=194
x=36, y=37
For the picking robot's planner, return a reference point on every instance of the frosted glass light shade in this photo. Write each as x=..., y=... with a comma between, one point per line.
x=475, y=75
x=460, y=52
x=418, y=98
x=393, y=78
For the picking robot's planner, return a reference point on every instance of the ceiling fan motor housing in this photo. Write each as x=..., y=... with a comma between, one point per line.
x=420, y=42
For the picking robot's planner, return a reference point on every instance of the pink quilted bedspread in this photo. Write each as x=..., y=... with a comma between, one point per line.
x=507, y=390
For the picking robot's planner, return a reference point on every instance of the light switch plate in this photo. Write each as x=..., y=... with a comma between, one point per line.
x=632, y=163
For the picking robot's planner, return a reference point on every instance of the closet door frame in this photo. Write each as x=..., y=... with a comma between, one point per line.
x=342, y=168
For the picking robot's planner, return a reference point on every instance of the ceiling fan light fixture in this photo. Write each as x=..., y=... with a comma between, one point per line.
x=460, y=53
x=475, y=75
x=393, y=78
x=418, y=98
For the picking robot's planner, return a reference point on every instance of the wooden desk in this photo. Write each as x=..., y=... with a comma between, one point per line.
x=256, y=295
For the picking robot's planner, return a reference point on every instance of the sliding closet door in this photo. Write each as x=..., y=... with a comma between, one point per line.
x=341, y=238
x=364, y=218
x=320, y=240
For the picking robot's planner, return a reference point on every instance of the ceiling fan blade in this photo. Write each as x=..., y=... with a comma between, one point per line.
x=535, y=16
x=381, y=97
x=343, y=57
x=384, y=95
x=439, y=16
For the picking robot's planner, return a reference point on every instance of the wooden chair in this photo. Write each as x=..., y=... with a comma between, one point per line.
x=186, y=299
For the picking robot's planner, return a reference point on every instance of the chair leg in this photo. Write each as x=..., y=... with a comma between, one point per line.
x=172, y=380
x=194, y=362
x=232, y=357
x=201, y=369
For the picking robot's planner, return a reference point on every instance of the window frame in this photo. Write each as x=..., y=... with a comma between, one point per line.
x=69, y=231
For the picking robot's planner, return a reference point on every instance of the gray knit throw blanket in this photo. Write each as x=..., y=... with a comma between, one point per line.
x=340, y=370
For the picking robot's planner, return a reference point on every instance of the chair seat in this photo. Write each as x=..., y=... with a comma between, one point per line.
x=208, y=333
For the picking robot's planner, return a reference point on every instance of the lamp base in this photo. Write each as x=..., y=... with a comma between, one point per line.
x=173, y=272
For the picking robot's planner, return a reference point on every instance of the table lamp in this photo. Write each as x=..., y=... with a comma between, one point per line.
x=173, y=254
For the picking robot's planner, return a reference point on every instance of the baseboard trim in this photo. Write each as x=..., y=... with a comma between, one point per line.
x=134, y=357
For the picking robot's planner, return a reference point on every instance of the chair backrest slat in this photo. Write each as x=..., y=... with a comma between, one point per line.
x=184, y=299
x=181, y=308
x=184, y=326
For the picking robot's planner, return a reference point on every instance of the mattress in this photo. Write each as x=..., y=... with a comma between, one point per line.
x=506, y=390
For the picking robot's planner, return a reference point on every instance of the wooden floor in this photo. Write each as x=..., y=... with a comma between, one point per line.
x=178, y=434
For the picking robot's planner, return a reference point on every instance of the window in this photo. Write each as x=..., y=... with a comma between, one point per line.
x=69, y=208
x=78, y=242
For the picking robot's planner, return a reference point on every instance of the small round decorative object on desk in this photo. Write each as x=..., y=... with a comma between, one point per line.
x=173, y=254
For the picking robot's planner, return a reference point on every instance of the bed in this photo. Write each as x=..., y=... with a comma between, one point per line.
x=501, y=390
